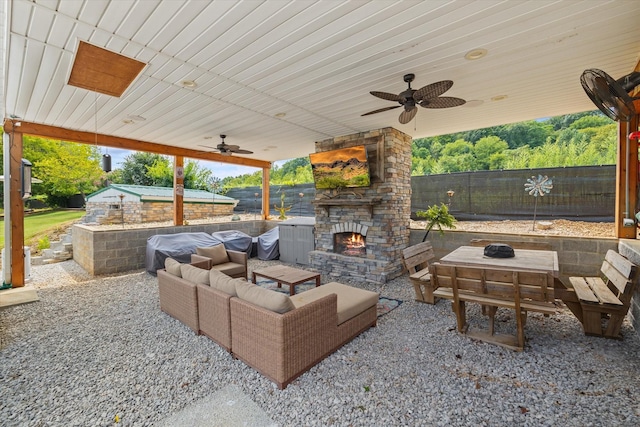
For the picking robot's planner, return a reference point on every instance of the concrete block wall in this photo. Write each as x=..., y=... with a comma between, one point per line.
x=118, y=251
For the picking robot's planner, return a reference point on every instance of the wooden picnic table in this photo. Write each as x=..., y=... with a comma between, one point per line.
x=525, y=259
x=467, y=275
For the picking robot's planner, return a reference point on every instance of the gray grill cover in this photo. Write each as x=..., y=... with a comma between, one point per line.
x=268, y=245
x=234, y=240
x=178, y=246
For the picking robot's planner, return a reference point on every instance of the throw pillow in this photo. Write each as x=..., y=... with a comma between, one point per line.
x=222, y=282
x=172, y=266
x=274, y=301
x=217, y=253
x=194, y=274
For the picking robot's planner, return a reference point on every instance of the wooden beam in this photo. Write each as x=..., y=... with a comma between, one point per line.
x=624, y=190
x=178, y=191
x=265, y=193
x=54, y=132
x=17, y=210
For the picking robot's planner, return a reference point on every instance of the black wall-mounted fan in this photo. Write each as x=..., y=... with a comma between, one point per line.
x=227, y=149
x=427, y=97
x=609, y=95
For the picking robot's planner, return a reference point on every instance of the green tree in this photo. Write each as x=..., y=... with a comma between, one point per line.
x=531, y=133
x=591, y=122
x=157, y=170
x=66, y=168
x=160, y=173
x=136, y=166
x=485, y=149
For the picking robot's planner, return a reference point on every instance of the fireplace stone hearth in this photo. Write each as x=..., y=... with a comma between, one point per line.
x=379, y=213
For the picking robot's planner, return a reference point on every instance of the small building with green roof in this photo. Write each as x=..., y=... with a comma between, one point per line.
x=139, y=203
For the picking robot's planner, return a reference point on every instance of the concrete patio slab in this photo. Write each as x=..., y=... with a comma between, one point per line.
x=227, y=407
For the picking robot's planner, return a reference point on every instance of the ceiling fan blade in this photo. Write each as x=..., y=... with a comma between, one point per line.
x=407, y=115
x=241, y=151
x=433, y=90
x=386, y=96
x=442, y=102
x=380, y=110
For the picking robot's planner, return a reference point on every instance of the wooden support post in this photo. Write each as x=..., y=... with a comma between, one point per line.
x=178, y=190
x=626, y=178
x=17, y=211
x=265, y=193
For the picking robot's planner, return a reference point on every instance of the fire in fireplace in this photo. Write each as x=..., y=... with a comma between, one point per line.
x=351, y=244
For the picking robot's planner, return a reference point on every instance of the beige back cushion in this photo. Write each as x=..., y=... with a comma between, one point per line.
x=271, y=300
x=222, y=282
x=195, y=275
x=172, y=266
x=217, y=253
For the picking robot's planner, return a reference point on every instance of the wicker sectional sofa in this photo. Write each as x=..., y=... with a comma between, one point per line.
x=280, y=336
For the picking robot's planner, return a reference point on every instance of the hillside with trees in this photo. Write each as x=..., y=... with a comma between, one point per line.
x=582, y=139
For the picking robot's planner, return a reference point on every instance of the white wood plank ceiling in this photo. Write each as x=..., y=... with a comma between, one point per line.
x=276, y=76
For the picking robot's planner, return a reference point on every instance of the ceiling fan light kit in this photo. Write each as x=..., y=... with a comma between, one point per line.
x=426, y=97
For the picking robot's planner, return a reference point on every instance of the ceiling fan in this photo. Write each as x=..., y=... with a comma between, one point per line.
x=427, y=96
x=226, y=149
x=609, y=95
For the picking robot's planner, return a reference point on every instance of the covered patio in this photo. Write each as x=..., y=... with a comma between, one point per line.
x=282, y=80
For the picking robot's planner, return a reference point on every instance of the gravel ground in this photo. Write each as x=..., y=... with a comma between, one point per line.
x=93, y=349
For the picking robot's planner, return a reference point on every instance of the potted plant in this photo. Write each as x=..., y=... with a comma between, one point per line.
x=437, y=216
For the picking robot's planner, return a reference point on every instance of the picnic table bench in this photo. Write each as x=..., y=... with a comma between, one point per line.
x=604, y=301
x=416, y=260
x=519, y=290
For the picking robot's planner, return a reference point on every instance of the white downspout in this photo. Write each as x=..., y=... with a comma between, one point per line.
x=5, y=11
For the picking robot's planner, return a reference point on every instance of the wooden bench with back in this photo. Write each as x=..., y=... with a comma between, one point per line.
x=416, y=260
x=522, y=291
x=605, y=300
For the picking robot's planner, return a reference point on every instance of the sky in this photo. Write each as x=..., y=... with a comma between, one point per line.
x=219, y=170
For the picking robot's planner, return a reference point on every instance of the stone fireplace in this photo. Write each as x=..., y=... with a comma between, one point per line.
x=360, y=232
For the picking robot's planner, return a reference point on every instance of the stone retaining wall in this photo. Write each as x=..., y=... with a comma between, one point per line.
x=134, y=213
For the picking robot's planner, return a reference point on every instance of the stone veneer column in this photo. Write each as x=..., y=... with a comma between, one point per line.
x=387, y=221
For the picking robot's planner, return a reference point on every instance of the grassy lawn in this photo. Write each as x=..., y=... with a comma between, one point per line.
x=39, y=224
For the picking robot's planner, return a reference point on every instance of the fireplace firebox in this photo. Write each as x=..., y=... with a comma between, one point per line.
x=350, y=244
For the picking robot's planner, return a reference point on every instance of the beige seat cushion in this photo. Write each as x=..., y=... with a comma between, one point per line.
x=195, y=275
x=271, y=300
x=172, y=266
x=351, y=301
x=229, y=268
x=217, y=253
x=220, y=281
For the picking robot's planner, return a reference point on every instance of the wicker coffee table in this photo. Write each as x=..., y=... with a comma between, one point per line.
x=287, y=275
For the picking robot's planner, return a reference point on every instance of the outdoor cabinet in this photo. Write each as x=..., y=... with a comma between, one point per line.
x=296, y=240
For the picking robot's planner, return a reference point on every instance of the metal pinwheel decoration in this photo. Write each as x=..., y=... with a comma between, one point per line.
x=538, y=187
